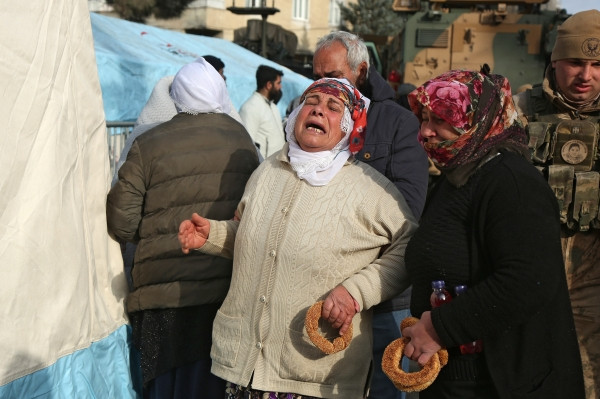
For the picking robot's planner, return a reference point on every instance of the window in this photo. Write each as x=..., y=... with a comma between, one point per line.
x=334, y=12
x=300, y=9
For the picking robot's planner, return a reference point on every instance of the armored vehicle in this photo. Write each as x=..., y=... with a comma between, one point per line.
x=514, y=37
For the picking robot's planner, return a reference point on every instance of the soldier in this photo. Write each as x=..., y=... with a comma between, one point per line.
x=563, y=115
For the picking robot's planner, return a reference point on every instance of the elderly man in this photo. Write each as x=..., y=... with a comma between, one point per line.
x=392, y=148
x=564, y=113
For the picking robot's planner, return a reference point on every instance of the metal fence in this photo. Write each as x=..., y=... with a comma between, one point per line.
x=117, y=133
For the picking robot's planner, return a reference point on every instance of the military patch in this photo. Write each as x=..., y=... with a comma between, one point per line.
x=575, y=144
x=573, y=152
x=591, y=47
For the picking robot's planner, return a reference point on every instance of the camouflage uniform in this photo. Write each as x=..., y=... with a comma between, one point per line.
x=553, y=128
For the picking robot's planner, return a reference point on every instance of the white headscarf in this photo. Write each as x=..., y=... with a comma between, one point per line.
x=318, y=168
x=159, y=107
x=198, y=89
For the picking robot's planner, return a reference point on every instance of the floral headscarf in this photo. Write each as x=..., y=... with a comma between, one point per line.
x=480, y=109
x=354, y=102
x=318, y=168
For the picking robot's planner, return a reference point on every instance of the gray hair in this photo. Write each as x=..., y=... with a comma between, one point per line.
x=357, y=50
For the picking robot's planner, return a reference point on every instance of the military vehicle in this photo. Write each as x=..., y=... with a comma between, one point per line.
x=514, y=37
x=281, y=45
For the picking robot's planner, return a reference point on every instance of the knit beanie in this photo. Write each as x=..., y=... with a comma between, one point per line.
x=578, y=37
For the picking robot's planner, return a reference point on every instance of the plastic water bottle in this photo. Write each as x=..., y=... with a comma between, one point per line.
x=471, y=347
x=440, y=294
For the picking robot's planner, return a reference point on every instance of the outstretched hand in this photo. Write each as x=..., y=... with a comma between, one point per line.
x=424, y=341
x=339, y=308
x=193, y=233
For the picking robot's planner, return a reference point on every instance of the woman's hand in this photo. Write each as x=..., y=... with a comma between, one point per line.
x=193, y=233
x=339, y=308
x=424, y=341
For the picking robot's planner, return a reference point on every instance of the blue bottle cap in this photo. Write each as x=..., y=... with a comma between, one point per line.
x=460, y=289
x=438, y=284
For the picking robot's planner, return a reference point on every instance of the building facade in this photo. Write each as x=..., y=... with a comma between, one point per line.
x=308, y=19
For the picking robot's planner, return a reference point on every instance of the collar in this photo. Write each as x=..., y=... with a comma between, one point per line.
x=264, y=97
x=283, y=156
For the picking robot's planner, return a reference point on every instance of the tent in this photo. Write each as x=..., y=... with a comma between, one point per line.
x=64, y=332
x=132, y=57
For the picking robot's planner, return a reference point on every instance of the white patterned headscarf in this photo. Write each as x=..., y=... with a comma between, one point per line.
x=318, y=168
x=198, y=89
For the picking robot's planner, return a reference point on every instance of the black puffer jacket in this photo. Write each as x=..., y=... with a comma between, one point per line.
x=193, y=163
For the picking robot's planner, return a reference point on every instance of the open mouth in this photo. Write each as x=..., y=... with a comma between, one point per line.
x=316, y=128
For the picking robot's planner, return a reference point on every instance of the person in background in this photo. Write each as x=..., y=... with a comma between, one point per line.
x=260, y=113
x=316, y=224
x=570, y=96
x=291, y=107
x=160, y=108
x=216, y=63
x=491, y=223
x=200, y=160
x=392, y=148
x=402, y=94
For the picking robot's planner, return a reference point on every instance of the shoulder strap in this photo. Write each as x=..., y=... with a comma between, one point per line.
x=537, y=103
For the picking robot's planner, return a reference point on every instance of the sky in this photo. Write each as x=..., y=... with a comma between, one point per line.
x=573, y=6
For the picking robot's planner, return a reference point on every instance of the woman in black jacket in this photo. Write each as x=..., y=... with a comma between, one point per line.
x=491, y=223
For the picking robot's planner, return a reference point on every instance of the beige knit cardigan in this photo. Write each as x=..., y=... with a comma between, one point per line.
x=294, y=244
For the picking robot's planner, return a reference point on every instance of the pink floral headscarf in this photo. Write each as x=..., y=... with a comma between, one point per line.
x=480, y=109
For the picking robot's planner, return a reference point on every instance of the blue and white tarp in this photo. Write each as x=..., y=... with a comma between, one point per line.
x=63, y=331
x=132, y=57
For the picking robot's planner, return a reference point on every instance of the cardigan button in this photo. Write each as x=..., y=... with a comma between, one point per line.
x=263, y=299
x=258, y=345
x=272, y=253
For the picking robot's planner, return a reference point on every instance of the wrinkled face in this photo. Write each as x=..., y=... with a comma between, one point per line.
x=578, y=79
x=331, y=62
x=318, y=125
x=434, y=129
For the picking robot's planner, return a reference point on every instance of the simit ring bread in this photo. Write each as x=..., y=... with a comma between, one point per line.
x=415, y=381
x=311, y=322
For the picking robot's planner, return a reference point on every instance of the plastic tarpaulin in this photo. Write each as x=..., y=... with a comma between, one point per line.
x=132, y=57
x=64, y=329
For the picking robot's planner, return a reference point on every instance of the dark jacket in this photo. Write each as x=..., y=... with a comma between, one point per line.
x=391, y=146
x=193, y=163
x=500, y=235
